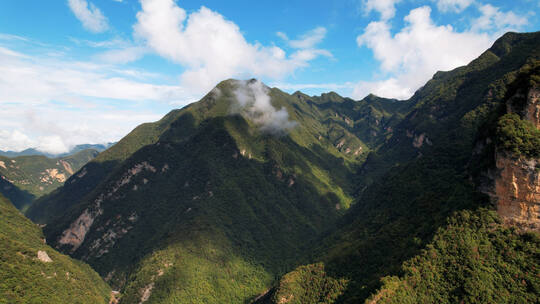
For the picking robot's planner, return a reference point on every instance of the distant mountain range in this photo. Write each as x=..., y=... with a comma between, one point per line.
x=28, y=176
x=77, y=148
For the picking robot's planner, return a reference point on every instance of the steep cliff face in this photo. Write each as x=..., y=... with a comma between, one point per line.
x=516, y=190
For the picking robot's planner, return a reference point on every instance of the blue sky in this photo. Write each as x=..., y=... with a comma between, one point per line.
x=89, y=71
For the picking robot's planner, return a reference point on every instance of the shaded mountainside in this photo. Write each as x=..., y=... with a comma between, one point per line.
x=213, y=186
x=33, y=272
x=424, y=232
x=362, y=200
x=24, y=178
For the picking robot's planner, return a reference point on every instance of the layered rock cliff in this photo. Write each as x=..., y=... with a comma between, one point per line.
x=517, y=191
x=516, y=183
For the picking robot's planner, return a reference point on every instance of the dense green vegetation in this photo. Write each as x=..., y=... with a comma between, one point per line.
x=14, y=194
x=26, y=279
x=201, y=270
x=414, y=190
x=518, y=136
x=308, y=284
x=472, y=259
x=31, y=176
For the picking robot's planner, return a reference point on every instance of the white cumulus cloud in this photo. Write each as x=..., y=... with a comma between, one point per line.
x=14, y=140
x=410, y=57
x=493, y=19
x=53, y=144
x=97, y=101
x=90, y=16
x=212, y=48
x=72, y=102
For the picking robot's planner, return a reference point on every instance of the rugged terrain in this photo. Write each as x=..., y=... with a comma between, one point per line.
x=252, y=194
x=426, y=231
x=24, y=178
x=228, y=188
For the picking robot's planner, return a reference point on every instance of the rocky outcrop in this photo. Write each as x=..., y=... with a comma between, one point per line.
x=67, y=167
x=146, y=292
x=515, y=188
x=55, y=174
x=51, y=175
x=74, y=236
x=43, y=256
x=114, y=230
x=516, y=191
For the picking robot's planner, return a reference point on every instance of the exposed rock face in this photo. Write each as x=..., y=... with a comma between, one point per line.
x=75, y=234
x=517, y=192
x=43, y=256
x=52, y=174
x=146, y=292
x=117, y=229
x=67, y=167
x=516, y=183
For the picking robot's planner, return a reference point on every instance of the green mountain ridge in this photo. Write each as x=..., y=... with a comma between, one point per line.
x=430, y=193
x=342, y=201
x=255, y=195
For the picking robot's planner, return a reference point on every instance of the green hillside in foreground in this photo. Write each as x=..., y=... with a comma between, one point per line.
x=24, y=178
x=55, y=278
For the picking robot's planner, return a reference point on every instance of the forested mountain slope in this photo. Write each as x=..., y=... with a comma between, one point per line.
x=241, y=180
x=33, y=272
x=425, y=230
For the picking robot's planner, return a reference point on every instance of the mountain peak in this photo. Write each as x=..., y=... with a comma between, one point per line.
x=506, y=42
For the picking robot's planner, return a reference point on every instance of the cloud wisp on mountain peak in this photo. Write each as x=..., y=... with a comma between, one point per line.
x=253, y=101
x=147, y=56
